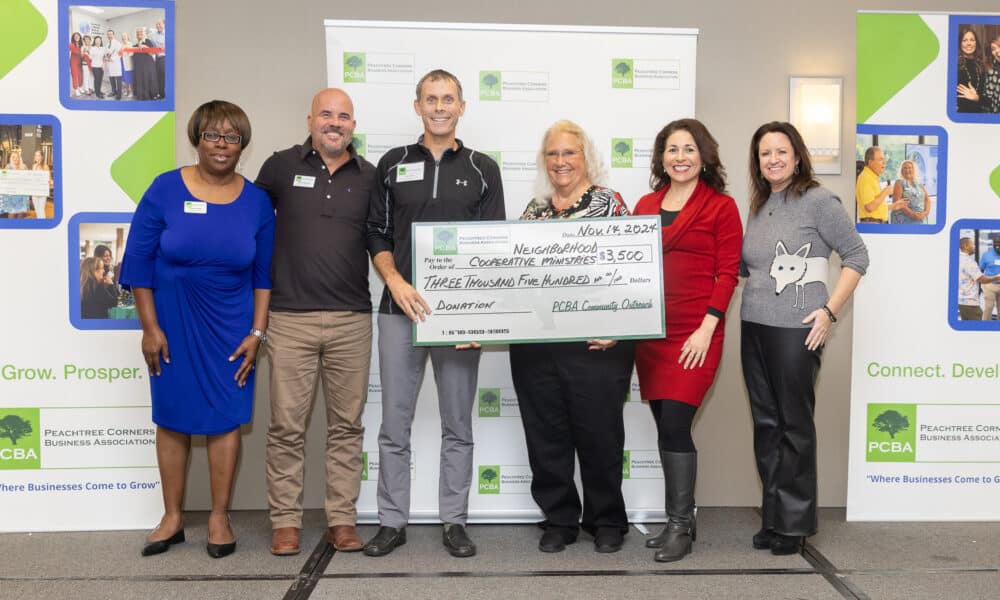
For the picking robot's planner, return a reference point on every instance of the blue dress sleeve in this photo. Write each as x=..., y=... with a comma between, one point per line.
x=138, y=268
x=265, y=245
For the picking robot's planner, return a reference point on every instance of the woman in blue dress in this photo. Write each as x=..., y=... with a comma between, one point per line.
x=916, y=203
x=198, y=260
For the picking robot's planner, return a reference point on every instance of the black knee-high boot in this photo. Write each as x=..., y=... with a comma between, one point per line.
x=680, y=470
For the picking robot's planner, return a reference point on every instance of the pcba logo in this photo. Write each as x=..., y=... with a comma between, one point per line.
x=891, y=433
x=354, y=67
x=489, y=402
x=621, y=153
x=20, y=444
x=489, y=479
x=490, y=85
x=621, y=73
x=445, y=240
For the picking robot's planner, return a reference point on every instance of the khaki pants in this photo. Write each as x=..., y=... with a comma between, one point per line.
x=970, y=313
x=337, y=344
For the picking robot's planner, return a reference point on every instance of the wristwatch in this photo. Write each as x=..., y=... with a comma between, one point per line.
x=259, y=334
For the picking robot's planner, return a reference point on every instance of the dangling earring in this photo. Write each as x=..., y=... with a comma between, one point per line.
x=796, y=168
x=704, y=169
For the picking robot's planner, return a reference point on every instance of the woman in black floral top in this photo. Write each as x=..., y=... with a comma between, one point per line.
x=571, y=394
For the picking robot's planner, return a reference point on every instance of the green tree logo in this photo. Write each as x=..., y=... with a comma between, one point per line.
x=489, y=479
x=489, y=402
x=627, y=465
x=891, y=422
x=364, y=466
x=622, y=73
x=15, y=428
x=892, y=433
x=445, y=240
x=360, y=143
x=621, y=153
x=20, y=444
x=490, y=86
x=355, y=67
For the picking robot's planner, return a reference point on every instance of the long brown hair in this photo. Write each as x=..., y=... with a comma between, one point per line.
x=88, y=282
x=713, y=173
x=802, y=179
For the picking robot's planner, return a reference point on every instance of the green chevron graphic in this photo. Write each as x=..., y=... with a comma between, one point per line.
x=22, y=29
x=149, y=156
x=995, y=180
x=892, y=50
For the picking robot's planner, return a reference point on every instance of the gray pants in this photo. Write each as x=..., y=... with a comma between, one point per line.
x=402, y=371
x=970, y=313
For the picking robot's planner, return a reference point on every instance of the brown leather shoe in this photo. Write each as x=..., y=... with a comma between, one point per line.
x=285, y=541
x=344, y=538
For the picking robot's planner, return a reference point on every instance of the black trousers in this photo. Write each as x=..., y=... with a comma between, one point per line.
x=571, y=401
x=116, y=86
x=98, y=80
x=780, y=375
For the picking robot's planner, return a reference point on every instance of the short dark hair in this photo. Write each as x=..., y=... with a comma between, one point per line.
x=100, y=249
x=216, y=112
x=437, y=75
x=870, y=153
x=713, y=173
x=802, y=181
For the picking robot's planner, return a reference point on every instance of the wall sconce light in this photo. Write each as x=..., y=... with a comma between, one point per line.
x=814, y=107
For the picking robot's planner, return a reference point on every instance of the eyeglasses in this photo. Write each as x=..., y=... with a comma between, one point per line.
x=566, y=154
x=214, y=136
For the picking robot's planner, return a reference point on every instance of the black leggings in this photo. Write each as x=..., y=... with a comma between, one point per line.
x=673, y=424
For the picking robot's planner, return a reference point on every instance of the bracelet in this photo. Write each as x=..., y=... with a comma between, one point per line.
x=829, y=313
x=259, y=334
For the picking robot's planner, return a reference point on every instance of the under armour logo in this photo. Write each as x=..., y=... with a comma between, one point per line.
x=463, y=182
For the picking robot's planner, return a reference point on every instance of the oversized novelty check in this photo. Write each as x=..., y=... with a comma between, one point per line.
x=24, y=183
x=522, y=281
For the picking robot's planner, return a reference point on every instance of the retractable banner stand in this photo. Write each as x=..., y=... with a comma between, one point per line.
x=86, y=122
x=622, y=85
x=925, y=414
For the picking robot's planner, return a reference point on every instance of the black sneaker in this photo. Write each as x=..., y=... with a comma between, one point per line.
x=457, y=541
x=385, y=541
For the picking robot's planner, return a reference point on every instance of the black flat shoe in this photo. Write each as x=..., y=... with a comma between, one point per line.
x=555, y=539
x=786, y=544
x=608, y=540
x=763, y=538
x=161, y=546
x=220, y=550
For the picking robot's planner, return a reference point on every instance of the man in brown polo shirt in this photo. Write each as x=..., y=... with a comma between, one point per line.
x=320, y=318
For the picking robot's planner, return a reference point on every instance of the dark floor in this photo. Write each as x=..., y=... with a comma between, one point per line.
x=955, y=561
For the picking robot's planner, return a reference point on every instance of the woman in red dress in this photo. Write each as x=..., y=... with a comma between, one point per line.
x=702, y=237
x=75, y=62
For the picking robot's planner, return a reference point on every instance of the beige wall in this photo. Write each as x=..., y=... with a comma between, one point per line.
x=269, y=57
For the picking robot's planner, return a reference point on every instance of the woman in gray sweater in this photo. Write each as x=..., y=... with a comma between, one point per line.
x=787, y=313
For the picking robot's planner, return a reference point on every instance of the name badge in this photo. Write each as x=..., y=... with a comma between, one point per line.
x=304, y=181
x=410, y=172
x=195, y=207
x=996, y=262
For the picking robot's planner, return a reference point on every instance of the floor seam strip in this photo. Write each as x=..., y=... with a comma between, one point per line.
x=829, y=572
x=303, y=585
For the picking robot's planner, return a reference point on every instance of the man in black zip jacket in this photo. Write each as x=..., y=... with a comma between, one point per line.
x=436, y=179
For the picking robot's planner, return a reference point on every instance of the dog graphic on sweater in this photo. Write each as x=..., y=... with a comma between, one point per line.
x=796, y=267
